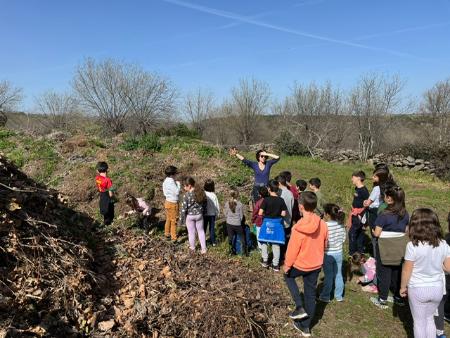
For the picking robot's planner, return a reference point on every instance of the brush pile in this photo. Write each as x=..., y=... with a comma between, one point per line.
x=167, y=291
x=45, y=276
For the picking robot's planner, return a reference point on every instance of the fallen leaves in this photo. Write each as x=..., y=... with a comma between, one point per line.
x=165, y=291
x=106, y=325
x=44, y=271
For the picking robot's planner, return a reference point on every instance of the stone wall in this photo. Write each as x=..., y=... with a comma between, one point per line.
x=398, y=161
x=405, y=162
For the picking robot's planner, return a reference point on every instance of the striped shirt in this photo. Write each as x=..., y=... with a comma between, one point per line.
x=336, y=237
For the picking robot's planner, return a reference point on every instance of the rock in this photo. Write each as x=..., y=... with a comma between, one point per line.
x=410, y=159
x=418, y=167
x=398, y=164
x=106, y=325
x=420, y=161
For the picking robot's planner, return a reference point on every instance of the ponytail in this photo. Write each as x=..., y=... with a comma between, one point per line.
x=335, y=212
x=232, y=203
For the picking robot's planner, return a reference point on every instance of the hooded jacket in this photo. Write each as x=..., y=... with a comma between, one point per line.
x=307, y=244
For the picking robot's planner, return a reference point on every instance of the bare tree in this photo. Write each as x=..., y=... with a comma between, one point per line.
x=437, y=105
x=250, y=100
x=10, y=97
x=315, y=112
x=199, y=107
x=372, y=99
x=59, y=108
x=99, y=86
x=151, y=99
x=120, y=93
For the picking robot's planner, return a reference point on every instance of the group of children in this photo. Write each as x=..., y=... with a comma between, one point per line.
x=409, y=254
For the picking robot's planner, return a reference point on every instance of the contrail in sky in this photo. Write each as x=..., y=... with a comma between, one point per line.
x=255, y=22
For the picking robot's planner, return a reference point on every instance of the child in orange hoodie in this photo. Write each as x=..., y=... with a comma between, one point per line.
x=304, y=258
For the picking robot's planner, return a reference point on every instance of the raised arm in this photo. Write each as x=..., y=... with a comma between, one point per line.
x=234, y=152
x=275, y=157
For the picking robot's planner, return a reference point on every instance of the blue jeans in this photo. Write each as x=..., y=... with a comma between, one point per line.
x=211, y=220
x=237, y=241
x=332, y=268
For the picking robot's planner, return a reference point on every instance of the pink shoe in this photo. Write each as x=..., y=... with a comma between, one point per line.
x=370, y=288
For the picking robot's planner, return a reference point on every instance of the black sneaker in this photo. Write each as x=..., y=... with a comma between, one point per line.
x=447, y=319
x=305, y=332
x=276, y=268
x=399, y=301
x=264, y=264
x=298, y=313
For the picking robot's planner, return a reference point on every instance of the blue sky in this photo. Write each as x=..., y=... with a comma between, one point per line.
x=212, y=44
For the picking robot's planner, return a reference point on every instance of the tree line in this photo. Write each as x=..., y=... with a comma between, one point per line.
x=127, y=98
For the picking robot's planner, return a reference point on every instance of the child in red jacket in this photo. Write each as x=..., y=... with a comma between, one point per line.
x=106, y=192
x=304, y=258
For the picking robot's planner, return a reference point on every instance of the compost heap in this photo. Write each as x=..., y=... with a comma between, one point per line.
x=45, y=279
x=169, y=292
x=124, y=283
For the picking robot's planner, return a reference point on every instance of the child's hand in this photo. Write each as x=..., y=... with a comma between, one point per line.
x=286, y=269
x=366, y=203
x=403, y=292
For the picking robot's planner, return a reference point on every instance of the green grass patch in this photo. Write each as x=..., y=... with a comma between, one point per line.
x=148, y=142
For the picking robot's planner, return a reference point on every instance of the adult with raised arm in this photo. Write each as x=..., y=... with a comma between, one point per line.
x=261, y=168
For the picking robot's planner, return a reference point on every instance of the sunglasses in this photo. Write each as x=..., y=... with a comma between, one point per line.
x=264, y=156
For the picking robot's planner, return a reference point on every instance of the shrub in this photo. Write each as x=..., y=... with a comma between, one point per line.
x=205, y=151
x=147, y=142
x=237, y=178
x=179, y=130
x=176, y=143
x=131, y=143
x=150, y=142
x=286, y=143
x=5, y=133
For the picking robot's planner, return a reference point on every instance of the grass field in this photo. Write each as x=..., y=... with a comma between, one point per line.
x=137, y=166
x=357, y=316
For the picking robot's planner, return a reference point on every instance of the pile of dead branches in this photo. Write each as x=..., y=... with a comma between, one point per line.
x=45, y=279
x=166, y=291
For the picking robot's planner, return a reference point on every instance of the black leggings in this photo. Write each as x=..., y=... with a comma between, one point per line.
x=106, y=208
x=388, y=278
x=239, y=231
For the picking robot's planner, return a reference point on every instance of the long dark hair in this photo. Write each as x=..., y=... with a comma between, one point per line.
x=424, y=227
x=335, y=212
x=199, y=192
x=385, y=179
x=232, y=203
x=398, y=196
